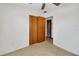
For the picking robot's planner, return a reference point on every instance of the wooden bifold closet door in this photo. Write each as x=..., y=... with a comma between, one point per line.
x=37, y=29
x=41, y=29
x=33, y=29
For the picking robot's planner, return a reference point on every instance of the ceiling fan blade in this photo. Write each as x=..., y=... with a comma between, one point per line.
x=43, y=6
x=57, y=4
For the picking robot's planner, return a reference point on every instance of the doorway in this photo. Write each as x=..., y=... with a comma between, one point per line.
x=49, y=28
x=37, y=29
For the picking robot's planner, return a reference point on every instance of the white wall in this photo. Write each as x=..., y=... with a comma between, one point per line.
x=14, y=27
x=66, y=27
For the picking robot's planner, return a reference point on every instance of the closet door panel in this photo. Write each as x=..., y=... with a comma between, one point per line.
x=41, y=29
x=33, y=29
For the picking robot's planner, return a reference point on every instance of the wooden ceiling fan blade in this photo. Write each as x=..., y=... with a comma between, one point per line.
x=57, y=4
x=43, y=6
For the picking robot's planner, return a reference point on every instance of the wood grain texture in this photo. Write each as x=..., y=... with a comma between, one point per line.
x=33, y=29
x=41, y=29
x=37, y=29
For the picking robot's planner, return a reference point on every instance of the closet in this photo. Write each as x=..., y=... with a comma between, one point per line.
x=36, y=29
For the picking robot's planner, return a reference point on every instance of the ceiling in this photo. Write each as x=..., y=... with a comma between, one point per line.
x=37, y=7
x=49, y=7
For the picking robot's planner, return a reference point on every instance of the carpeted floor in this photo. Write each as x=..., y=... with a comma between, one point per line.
x=45, y=48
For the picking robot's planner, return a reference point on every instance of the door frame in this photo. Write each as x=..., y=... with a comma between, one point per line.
x=50, y=18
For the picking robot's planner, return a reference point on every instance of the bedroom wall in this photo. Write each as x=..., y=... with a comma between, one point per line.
x=66, y=27
x=14, y=27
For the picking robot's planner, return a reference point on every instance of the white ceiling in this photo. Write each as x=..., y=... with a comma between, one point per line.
x=49, y=7
x=37, y=7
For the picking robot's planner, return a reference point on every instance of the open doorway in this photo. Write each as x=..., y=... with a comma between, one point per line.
x=49, y=29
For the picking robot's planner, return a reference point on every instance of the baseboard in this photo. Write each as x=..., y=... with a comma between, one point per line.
x=9, y=51
x=65, y=50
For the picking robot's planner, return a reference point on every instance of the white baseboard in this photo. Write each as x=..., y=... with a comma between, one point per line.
x=12, y=50
x=66, y=50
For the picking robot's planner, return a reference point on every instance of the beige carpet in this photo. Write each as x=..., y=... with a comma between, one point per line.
x=45, y=48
